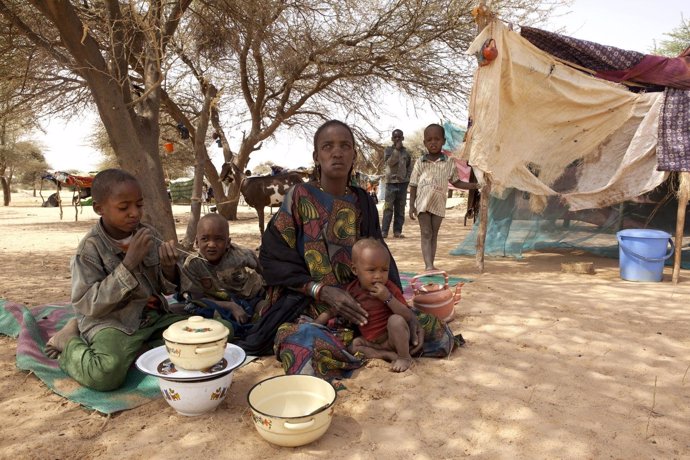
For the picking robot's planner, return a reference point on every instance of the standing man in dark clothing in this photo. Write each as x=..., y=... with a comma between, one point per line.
x=398, y=167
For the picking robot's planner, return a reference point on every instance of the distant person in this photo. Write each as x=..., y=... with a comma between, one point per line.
x=397, y=171
x=52, y=201
x=120, y=275
x=204, y=194
x=223, y=278
x=429, y=190
x=371, y=190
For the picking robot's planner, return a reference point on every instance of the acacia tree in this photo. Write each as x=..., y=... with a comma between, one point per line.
x=276, y=64
x=32, y=165
x=16, y=156
x=295, y=64
x=115, y=49
x=16, y=118
x=678, y=40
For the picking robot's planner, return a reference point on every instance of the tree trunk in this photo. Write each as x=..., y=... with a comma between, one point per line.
x=484, y=199
x=136, y=147
x=6, y=192
x=200, y=155
x=4, y=177
x=133, y=128
x=229, y=207
x=230, y=200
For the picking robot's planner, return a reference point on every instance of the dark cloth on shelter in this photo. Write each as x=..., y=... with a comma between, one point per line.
x=591, y=55
x=673, y=147
x=614, y=64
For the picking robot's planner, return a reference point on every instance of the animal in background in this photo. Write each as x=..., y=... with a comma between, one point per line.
x=262, y=191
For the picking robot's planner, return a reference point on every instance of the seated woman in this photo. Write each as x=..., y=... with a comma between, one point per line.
x=306, y=256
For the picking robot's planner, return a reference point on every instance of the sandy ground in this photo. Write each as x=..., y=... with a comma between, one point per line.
x=556, y=365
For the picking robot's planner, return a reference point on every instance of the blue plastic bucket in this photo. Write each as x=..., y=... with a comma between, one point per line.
x=642, y=254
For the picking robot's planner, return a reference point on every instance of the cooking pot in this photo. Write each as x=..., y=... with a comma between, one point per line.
x=436, y=299
x=196, y=343
x=292, y=410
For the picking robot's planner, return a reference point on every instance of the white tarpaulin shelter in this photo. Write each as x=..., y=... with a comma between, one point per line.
x=533, y=116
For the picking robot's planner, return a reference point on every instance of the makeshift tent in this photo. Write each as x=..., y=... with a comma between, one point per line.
x=80, y=185
x=559, y=141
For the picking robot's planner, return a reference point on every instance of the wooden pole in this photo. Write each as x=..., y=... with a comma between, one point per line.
x=59, y=198
x=482, y=16
x=483, y=222
x=683, y=195
x=76, y=198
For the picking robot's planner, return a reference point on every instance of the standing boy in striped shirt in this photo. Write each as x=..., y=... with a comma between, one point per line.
x=429, y=190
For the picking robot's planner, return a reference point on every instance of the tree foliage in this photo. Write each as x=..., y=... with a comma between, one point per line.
x=678, y=40
x=296, y=64
x=30, y=163
x=23, y=160
x=176, y=164
x=277, y=64
x=114, y=51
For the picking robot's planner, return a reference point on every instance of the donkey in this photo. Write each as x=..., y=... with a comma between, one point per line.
x=262, y=191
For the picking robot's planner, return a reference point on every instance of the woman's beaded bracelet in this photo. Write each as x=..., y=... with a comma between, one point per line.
x=388, y=300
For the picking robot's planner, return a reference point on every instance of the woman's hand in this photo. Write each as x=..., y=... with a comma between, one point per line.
x=416, y=336
x=344, y=304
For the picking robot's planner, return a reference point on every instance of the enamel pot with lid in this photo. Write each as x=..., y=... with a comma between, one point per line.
x=196, y=343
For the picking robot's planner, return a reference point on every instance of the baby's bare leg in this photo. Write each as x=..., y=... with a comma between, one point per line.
x=58, y=342
x=399, y=340
x=372, y=350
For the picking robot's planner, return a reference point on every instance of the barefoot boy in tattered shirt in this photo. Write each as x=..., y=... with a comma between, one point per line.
x=119, y=275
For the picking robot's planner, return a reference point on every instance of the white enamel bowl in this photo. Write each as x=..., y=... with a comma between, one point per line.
x=156, y=362
x=192, y=392
x=292, y=410
x=198, y=397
